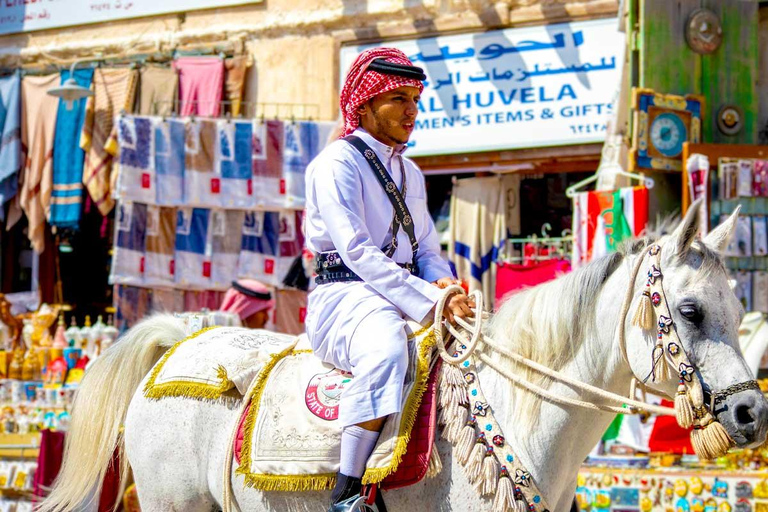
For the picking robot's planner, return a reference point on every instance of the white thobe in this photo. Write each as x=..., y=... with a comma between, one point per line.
x=349, y=212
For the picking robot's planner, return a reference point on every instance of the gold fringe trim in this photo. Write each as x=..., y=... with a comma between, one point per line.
x=296, y=483
x=245, y=454
x=183, y=388
x=291, y=483
x=376, y=475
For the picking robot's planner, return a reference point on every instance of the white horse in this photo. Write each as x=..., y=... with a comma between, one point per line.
x=176, y=447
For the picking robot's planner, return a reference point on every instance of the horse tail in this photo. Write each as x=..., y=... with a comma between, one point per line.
x=100, y=408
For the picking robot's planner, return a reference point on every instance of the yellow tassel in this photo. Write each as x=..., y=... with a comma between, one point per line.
x=644, y=317
x=505, y=495
x=489, y=475
x=465, y=441
x=683, y=409
x=435, y=464
x=710, y=440
x=475, y=467
x=661, y=369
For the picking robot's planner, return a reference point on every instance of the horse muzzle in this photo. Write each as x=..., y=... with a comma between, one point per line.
x=745, y=417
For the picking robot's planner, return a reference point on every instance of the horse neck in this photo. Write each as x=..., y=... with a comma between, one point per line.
x=554, y=451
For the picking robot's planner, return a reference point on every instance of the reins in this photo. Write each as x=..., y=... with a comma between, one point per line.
x=636, y=407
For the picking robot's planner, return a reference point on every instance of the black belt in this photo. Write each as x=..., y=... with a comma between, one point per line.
x=330, y=269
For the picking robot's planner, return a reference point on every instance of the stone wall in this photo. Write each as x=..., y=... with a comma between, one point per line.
x=294, y=44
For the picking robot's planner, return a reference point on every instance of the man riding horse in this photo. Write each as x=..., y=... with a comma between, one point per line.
x=378, y=254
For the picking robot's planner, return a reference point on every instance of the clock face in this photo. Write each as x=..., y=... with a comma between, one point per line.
x=668, y=133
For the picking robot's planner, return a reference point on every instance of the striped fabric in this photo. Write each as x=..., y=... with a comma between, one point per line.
x=114, y=92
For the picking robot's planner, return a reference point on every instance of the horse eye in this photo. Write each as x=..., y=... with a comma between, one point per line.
x=692, y=313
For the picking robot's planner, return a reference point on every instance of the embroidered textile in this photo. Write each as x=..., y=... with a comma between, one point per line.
x=169, y=160
x=214, y=360
x=303, y=142
x=234, y=163
x=260, y=247
x=193, y=252
x=268, y=184
x=202, y=186
x=130, y=244
x=159, y=266
x=137, y=166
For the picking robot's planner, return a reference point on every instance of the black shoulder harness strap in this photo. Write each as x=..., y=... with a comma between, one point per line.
x=402, y=215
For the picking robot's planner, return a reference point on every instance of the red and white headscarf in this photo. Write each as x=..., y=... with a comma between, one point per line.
x=244, y=304
x=363, y=84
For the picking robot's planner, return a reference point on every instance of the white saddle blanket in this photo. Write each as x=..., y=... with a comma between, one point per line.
x=291, y=436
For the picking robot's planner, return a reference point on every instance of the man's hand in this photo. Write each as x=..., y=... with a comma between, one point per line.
x=445, y=282
x=459, y=305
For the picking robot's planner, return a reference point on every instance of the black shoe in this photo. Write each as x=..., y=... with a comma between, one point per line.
x=344, y=495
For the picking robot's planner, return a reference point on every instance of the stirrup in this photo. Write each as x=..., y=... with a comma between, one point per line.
x=353, y=504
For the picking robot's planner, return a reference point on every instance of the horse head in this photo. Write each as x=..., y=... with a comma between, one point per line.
x=705, y=315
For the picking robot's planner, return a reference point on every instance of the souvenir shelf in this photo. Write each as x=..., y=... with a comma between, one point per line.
x=737, y=176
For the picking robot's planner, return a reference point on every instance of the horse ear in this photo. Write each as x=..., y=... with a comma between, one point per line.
x=685, y=233
x=720, y=236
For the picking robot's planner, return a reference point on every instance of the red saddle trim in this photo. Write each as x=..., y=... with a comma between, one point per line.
x=415, y=462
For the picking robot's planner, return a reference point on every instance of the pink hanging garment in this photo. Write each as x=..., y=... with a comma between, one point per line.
x=201, y=85
x=510, y=278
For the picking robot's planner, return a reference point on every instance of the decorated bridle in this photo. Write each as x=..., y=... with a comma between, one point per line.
x=668, y=357
x=470, y=424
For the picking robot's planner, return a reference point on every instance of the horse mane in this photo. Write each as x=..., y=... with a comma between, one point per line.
x=549, y=323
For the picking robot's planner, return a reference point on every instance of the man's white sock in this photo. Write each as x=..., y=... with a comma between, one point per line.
x=357, y=444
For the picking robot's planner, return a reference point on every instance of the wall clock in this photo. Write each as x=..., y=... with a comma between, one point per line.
x=661, y=124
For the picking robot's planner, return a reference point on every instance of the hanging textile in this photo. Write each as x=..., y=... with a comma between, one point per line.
x=68, y=157
x=234, y=164
x=260, y=247
x=167, y=301
x=601, y=220
x=114, y=91
x=237, y=69
x=510, y=278
x=291, y=240
x=157, y=91
x=201, y=85
x=10, y=138
x=302, y=142
x=137, y=166
x=269, y=188
x=202, y=186
x=193, y=255
x=226, y=235
x=477, y=231
x=169, y=160
x=160, y=243
x=130, y=244
x=38, y=125
x=131, y=305
x=290, y=311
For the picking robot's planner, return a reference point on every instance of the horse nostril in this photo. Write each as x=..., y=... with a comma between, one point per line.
x=744, y=415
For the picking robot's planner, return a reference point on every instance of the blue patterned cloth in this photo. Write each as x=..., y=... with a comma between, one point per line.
x=10, y=137
x=66, y=199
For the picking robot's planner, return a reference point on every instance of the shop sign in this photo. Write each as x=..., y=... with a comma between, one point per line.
x=28, y=15
x=518, y=88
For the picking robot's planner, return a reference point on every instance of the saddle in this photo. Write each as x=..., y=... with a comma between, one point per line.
x=289, y=437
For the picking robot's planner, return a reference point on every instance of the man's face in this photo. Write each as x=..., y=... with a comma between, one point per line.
x=390, y=117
